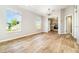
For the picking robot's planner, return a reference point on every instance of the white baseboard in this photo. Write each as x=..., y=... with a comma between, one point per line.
x=18, y=37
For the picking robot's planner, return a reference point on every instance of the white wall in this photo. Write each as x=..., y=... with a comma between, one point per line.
x=62, y=22
x=45, y=24
x=76, y=24
x=28, y=23
x=69, y=11
x=59, y=23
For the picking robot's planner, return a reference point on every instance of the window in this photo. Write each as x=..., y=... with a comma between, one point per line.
x=38, y=24
x=13, y=21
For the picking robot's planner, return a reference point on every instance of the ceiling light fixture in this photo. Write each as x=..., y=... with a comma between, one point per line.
x=49, y=12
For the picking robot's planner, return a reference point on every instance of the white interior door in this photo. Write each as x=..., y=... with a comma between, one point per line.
x=69, y=24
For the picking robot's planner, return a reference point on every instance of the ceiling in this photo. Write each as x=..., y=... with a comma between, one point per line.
x=43, y=9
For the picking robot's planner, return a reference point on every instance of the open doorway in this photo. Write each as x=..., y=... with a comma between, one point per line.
x=69, y=24
x=53, y=24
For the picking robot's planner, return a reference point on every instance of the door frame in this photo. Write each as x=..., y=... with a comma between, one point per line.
x=65, y=28
x=50, y=22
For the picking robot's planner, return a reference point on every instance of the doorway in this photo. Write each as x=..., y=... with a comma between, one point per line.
x=53, y=24
x=69, y=24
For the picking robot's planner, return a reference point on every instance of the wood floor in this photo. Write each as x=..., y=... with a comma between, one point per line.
x=42, y=43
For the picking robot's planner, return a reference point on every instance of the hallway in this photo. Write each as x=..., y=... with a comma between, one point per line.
x=41, y=43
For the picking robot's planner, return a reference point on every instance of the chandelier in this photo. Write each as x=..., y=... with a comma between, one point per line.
x=50, y=12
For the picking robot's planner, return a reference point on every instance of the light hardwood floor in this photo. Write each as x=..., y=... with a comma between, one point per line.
x=41, y=43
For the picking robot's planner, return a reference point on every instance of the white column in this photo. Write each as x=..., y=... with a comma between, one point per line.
x=76, y=24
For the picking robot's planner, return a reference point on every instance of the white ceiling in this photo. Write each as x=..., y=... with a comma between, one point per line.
x=43, y=9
